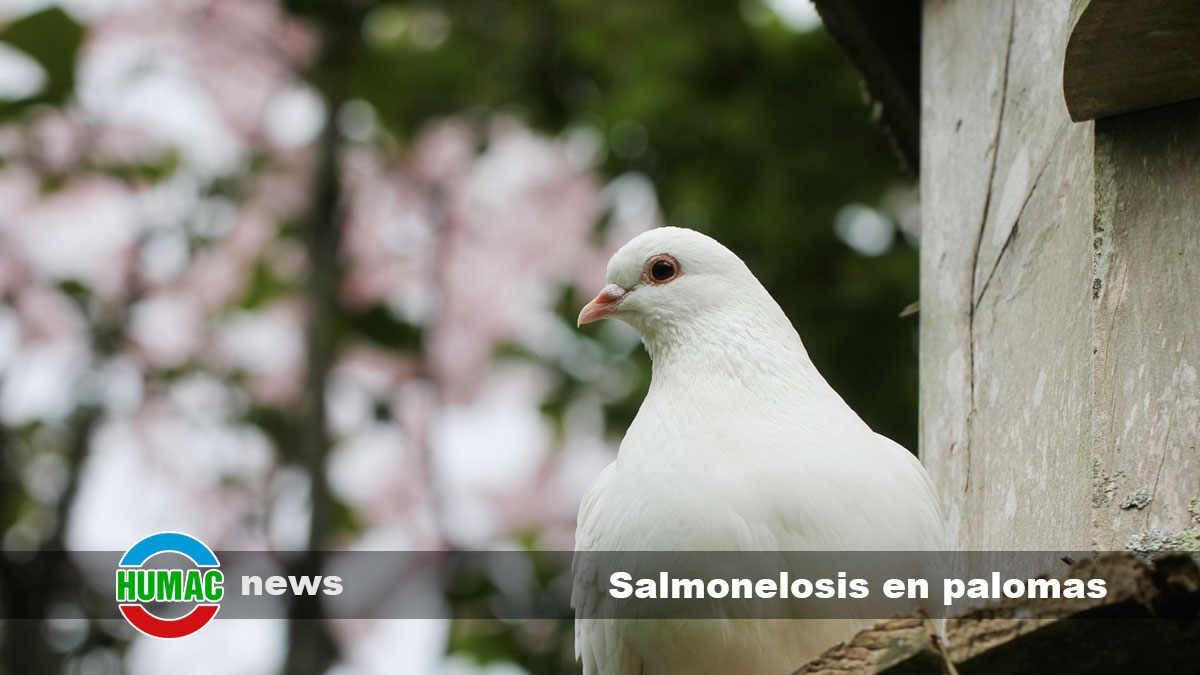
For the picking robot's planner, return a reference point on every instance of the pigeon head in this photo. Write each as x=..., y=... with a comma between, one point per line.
x=701, y=312
x=673, y=280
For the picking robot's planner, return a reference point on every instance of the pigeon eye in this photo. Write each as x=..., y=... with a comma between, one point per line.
x=660, y=269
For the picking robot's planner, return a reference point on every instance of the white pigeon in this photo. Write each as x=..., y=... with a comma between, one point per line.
x=740, y=444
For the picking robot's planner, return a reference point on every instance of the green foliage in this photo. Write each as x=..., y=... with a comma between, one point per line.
x=278, y=426
x=52, y=38
x=263, y=286
x=543, y=646
x=143, y=171
x=619, y=414
x=383, y=326
x=345, y=520
x=148, y=170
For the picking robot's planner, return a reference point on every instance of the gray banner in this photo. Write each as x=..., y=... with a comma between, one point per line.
x=564, y=584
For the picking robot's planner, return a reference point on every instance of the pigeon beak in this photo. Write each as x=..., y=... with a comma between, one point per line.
x=604, y=305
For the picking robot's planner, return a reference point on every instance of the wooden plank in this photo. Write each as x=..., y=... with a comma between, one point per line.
x=1032, y=333
x=1146, y=290
x=883, y=40
x=964, y=48
x=1034, y=120
x=1147, y=622
x=1124, y=56
x=903, y=645
x=1011, y=472
x=1059, y=398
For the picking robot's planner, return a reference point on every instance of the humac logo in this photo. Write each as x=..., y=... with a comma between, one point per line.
x=139, y=585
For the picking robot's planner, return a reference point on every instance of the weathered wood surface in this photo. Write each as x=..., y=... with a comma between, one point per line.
x=1149, y=622
x=1006, y=212
x=1030, y=334
x=959, y=117
x=1146, y=299
x=1060, y=303
x=1124, y=56
x=1029, y=323
x=903, y=645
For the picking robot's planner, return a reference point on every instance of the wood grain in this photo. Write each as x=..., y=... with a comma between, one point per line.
x=1124, y=56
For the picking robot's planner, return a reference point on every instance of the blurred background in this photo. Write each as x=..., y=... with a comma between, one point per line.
x=303, y=275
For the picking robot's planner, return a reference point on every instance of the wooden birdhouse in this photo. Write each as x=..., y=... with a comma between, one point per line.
x=1058, y=148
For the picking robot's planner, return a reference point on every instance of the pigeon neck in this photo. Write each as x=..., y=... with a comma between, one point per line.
x=748, y=348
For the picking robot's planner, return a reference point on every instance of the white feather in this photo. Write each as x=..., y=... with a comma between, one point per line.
x=740, y=444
